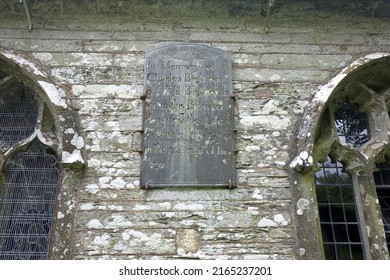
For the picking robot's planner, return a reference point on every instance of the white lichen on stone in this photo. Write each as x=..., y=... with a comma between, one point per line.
x=169, y=214
x=274, y=122
x=325, y=91
x=302, y=162
x=139, y=207
x=118, y=221
x=278, y=220
x=74, y=157
x=86, y=206
x=56, y=96
x=118, y=183
x=252, y=148
x=256, y=194
x=23, y=62
x=92, y=188
x=302, y=204
x=69, y=131
x=137, y=238
x=77, y=141
x=102, y=240
x=94, y=224
x=191, y=207
x=266, y=222
x=43, y=56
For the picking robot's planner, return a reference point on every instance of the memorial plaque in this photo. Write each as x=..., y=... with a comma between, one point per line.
x=188, y=118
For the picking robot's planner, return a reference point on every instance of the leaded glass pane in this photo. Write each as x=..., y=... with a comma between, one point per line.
x=382, y=177
x=337, y=210
x=27, y=200
x=352, y=126
x=18, y=117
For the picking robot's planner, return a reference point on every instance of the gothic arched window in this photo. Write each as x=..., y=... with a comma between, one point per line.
x=342, y=173
x=29, y=173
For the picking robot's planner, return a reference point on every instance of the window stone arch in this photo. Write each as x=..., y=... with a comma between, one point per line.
x=41, y=132
x=364, y=85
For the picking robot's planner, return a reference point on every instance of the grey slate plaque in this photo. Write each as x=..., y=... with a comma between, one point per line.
x=188, y=118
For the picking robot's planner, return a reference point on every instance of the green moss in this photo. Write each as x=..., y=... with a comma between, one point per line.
x=47, y=121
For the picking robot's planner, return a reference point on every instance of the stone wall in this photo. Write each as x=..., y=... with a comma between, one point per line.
x=96, y=60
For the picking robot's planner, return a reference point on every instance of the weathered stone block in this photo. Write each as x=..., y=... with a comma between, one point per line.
x=188, y=240
x=124, y=91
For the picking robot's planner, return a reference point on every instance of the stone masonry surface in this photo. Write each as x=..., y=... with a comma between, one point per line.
x=97, y=60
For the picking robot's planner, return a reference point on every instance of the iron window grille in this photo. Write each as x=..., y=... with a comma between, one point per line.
x=338, y=216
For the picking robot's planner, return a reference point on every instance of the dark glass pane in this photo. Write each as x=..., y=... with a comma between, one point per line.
x=337, y=213
x=382, y=177
x=327, y=233
x=330, y=252
x=324, y=213
x=350, y=213
x=343, y=252
x=353, y=232
x=334, y=194
x=378, y=178
x=352, y=126
x=322, y=194
x=357, y=252
x=340, y=232
x=347, y=194
x=344, y=178
x=386, y=176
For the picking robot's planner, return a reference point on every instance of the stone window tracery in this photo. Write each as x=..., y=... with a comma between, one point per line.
x=354, y=149
x=345, y=132
x=382, y=182
x=352, y=126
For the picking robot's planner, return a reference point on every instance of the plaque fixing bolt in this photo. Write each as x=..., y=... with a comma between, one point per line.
x=145, y=94
x=230, y=184
x=146, y=186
